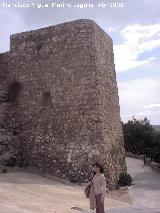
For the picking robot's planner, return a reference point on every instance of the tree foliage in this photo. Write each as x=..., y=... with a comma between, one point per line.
x=141, y=138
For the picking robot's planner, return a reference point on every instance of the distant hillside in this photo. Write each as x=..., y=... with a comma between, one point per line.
x=156, y=127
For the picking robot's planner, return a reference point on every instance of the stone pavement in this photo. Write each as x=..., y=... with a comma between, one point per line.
x=133, y=210
x=122, y=210
x=144, y=194
x=22, y=192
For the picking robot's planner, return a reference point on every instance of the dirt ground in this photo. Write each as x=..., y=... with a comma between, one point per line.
x=22, y=192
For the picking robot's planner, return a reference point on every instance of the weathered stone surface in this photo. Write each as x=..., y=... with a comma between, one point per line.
x=9, y=139
x=68, y=105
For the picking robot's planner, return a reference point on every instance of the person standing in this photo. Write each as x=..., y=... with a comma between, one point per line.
x=98, y=189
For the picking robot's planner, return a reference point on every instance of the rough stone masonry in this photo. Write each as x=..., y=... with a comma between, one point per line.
x=60, y=104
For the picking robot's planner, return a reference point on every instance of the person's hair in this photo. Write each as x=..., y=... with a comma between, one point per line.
x=99, y=166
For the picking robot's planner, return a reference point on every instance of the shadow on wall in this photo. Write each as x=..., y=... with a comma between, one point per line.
x=13, y=90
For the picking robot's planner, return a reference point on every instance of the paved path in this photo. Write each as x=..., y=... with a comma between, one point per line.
x=22, y=192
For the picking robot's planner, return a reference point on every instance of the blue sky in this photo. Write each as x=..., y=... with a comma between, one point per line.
x=135, y=30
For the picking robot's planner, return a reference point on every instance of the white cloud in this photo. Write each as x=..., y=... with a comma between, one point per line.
x=111, y=29
x=152, y=106
x=137, y=40
x=135, y=95
x=153, y=115
x=11, y=23
x=138, y=90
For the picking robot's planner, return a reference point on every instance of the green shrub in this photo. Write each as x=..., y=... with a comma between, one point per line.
x=124, y=180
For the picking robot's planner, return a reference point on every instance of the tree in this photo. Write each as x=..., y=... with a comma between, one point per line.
x=141, y=138
x=137, y=135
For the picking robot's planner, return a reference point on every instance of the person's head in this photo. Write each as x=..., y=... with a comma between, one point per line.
x=97, y=168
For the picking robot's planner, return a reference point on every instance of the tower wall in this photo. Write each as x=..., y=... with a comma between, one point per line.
x=9, y=125
x=69, y=102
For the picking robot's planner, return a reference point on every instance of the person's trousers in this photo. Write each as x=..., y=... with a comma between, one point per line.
x=100, y=205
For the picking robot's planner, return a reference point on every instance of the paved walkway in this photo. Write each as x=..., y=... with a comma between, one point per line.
x=22, y=192
x=145, y=193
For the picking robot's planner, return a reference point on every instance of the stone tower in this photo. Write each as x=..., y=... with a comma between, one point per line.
x=68, y=102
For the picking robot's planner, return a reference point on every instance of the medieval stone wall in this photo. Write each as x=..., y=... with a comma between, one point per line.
x=3, y=97
x=8, y=119
x=68, y=104
x=3, y=79
x=109, y=109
